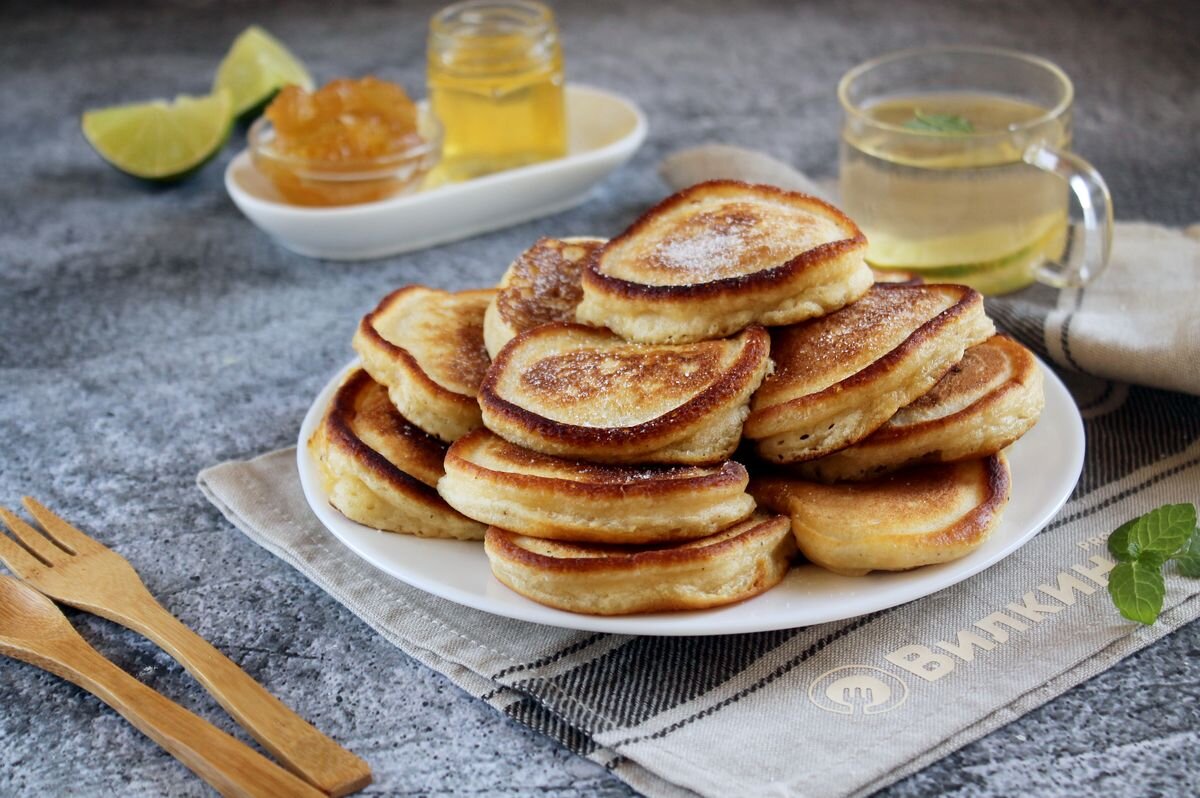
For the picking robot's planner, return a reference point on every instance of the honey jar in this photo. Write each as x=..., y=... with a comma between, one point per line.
x=496, y=85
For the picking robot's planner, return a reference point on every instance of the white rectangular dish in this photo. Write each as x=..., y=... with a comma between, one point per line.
x=604, y=131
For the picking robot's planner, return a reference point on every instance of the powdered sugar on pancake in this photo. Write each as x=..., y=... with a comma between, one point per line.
x=719, y=240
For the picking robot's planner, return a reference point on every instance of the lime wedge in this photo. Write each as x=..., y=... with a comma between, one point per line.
x=256, y=67
x=159, y=140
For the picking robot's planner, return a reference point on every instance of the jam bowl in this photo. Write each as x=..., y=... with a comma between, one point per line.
x=605, y=130
x=304, y=181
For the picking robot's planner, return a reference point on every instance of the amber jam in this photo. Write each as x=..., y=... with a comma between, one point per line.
x=351, y=141
x=496, y=86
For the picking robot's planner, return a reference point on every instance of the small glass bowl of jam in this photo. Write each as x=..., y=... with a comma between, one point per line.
x=351, y=142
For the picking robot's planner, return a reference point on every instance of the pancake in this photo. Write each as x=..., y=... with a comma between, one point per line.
x=984, y=403
x=584, y=393
x=720, y=256
x=541, y=286
x=380, y=470
x=839, y=378
x=732, y=565
x=918, y=516
x=427, y=347
x=496, y=482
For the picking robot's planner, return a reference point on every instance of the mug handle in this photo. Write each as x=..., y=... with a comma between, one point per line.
x=1096, y=204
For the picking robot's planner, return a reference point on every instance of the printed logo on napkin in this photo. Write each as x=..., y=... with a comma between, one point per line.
x=870, y=690
x=1034, y=606
x=857, y=690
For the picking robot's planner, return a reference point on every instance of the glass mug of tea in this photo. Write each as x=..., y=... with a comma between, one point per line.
x=956, y=163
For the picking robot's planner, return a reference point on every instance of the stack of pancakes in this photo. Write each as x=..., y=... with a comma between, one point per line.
x=581, y=417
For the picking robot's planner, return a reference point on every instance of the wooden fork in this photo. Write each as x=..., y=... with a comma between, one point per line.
x=34, y=630
x=71, y=567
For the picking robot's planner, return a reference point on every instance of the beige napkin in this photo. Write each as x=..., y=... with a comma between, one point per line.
x=843, y=708
x=1138, y=322
x=778, y=713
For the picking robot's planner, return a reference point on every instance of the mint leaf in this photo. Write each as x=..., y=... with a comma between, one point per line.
x=1137, y=588
x=1164, y=530
x=1141, y=547
x=1119, y=544
x=939, y=123
x=1187, y=559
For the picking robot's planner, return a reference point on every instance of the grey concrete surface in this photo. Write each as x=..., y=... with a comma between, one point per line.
x=148, y=332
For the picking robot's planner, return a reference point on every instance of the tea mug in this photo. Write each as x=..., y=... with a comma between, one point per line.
x=956, y=163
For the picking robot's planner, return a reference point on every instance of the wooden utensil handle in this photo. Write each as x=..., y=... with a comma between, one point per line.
x=293, y=741
x=231, y=767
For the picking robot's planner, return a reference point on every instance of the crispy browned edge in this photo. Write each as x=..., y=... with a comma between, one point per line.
x=337, y=430
x=501, y=540
x=1026, y=366
x=981, y=518
x=730, y=473
x=892, y=359
x=367, y=328
x=756, y=348
x=996, y=475
x=742, y=284
x=569, y=240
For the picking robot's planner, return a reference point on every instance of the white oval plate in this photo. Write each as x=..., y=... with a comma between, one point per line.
x=604, y=130
x=1046, y=464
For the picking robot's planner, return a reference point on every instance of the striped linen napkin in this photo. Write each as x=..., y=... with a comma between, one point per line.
x=866, y=700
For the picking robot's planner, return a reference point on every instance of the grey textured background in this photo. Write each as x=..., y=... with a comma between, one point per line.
x=146, y=333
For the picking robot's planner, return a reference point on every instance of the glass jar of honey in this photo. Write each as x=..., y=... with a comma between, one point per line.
x=496, y=86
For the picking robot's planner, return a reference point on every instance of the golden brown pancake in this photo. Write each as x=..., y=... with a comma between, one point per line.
x=499, y=483
x=839, y=378
x=542, y=285
x=584, y=393
x=732, y=565
x=720, y=256
x=427, y=347
x=982, y=404
x=380, y=470
x=919, y=516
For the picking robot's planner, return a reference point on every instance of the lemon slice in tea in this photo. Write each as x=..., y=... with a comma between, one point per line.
x=999, y=275
x=256, y=67
x=159, y=140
